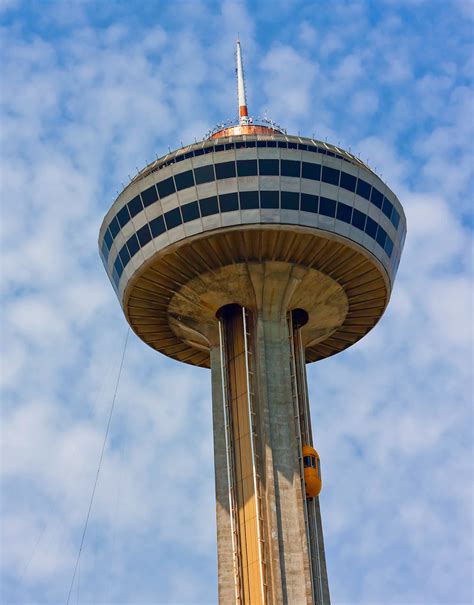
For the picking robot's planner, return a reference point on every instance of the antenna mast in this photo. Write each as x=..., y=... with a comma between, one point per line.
x=242, y=97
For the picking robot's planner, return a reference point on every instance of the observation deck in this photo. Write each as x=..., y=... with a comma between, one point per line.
x=234, y=200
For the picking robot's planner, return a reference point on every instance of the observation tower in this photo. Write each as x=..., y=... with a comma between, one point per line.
x=253, y=253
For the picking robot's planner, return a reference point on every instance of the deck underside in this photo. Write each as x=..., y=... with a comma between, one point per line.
x=173, y=272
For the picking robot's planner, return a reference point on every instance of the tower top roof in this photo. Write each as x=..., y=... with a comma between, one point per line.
x=245, y=124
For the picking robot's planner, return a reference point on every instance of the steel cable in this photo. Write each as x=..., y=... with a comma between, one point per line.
x=98, y=468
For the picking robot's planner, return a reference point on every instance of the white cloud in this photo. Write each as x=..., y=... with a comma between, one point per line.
x=287, y=70
x=307, y=34
x=6, y=5
x=392, y=415
x=364, y=102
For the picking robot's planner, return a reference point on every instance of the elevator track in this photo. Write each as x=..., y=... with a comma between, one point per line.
x=242, y=457
x=243, y=462
x=314, y=533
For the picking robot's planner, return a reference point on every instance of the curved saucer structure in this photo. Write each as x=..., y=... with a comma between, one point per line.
x=253, y=253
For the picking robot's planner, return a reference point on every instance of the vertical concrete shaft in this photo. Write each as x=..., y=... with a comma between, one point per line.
x=245, y=491
x=312, y=512
x=288, y=559
x=319, y=557
x=226, y=573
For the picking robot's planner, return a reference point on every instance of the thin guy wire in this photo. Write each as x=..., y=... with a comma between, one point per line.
x=98, y=468
x=38, y=540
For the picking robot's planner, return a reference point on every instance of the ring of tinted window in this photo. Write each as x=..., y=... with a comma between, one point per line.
x=312, y=147
x=249, y=199
x=228, y=170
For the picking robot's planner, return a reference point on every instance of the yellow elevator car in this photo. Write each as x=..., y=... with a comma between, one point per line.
x=312, y=471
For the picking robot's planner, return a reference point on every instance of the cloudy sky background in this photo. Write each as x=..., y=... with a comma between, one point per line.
x=91, y=91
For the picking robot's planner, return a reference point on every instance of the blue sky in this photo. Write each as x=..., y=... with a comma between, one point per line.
x=91, y=91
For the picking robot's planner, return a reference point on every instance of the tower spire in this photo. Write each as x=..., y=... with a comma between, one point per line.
x=241, y=95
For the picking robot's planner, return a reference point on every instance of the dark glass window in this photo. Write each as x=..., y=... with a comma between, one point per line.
x=218, y=148
x=208, y=206
x=269, y=199
x=149, y=196
x=188, y=155
x=190, y=211
x=311, y=171
x=313, y=149
x=135, y=206
x=313, y=461
x=157, y=226
x=108, y=239
x=204, y=174
x=144, y=235
x=261, y=143
x=229, y=202
x=268, y=167
x=302, y=147
x=358, y=219
x=250, y=144
x=124, y=255
x=198, y=152
x=348, y=181
x=283, y=144
x=248, y=200
x=225, y=170
x=114, y=227
x=387, y=207
x=246, y=167
x=395, y=218
x=307, y=461
x=371, y=227
x=118, y=266
x=115, y=277
x=309, y=203
x=327, y=206
x=173, y=218
x=388, y=246
x=290, y=200
x=330, y=175
x=208, y=149
x=271, y=144
x=381, y=236
x=290, y=168
x=166, y=187
x=292, y=146
x=229, y=146
x=105, y=250
x=344, y=212
x=376, y=198
x=240, y=145
x=363, y=189
x=184, y=180
x=123, y=216
x=133, y=245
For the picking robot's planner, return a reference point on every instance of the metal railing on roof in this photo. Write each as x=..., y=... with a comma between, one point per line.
x=258, y=121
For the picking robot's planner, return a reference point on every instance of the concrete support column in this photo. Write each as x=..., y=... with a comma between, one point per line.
x=270, y=387
x=288, y=562
x=225, y=562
